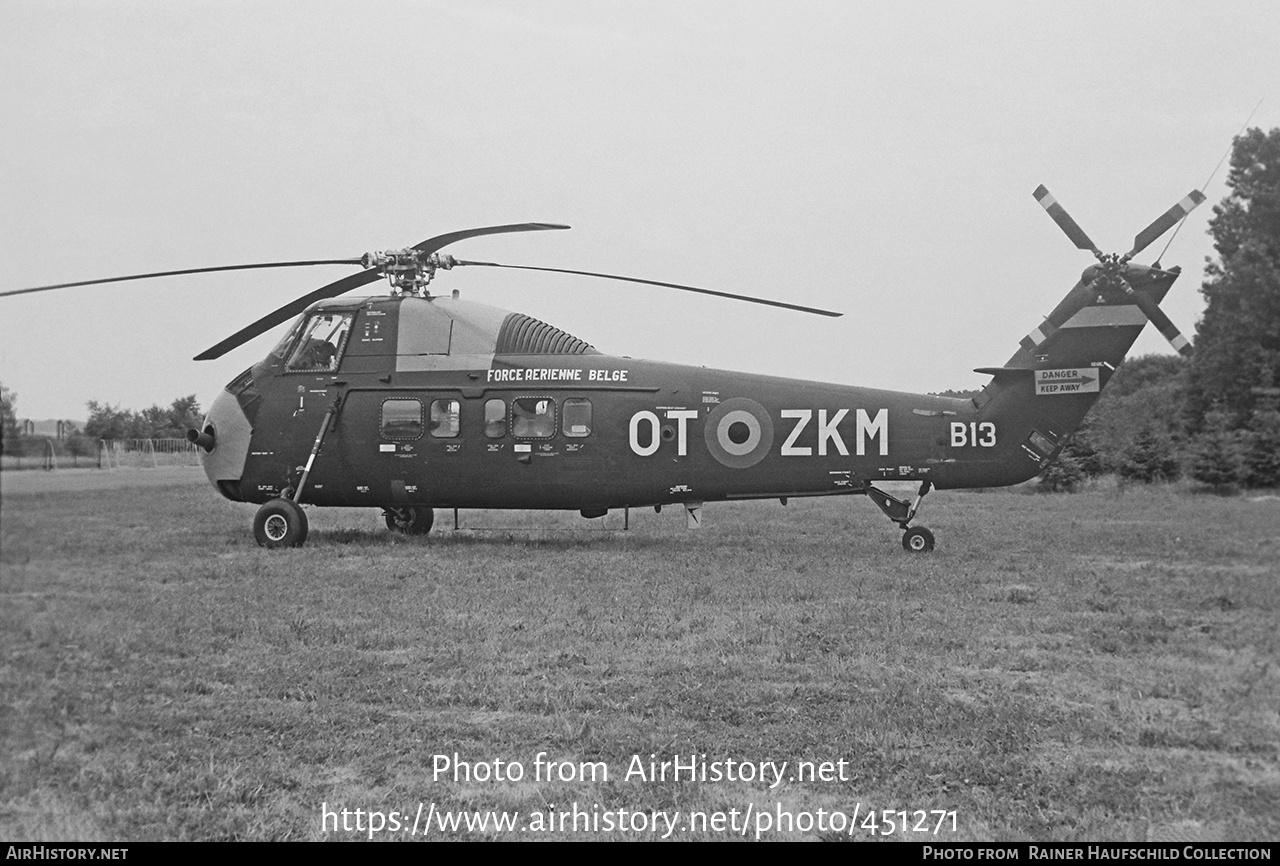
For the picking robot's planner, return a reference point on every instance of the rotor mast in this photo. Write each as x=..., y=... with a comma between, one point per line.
x=409, y=271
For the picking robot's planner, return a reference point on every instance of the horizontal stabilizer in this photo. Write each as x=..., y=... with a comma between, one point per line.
x=1003, y=371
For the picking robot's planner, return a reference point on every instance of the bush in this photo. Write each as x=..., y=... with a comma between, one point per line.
x=1217, y=453
x=1261, y=446
x=1076, y=463
x=1151, y=456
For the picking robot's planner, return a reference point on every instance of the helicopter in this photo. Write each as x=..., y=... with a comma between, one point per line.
x=409, y=402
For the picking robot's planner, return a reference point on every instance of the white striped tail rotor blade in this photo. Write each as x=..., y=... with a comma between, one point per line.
x=1064, y=220
x=1036, y=337
x=1166, y=221
x=1054, y=321
x=1157, y=317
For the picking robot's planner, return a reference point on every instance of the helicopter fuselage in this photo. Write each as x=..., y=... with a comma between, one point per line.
x=411, y=402
x=407, y=411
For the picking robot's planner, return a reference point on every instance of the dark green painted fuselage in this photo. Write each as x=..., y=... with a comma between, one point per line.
x=613, y=432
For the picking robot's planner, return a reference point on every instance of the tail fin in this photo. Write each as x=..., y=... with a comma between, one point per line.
x=1041, y=395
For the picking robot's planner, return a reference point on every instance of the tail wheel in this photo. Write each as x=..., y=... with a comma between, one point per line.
x=409, y=519
x=917, y=539
x=280, y=523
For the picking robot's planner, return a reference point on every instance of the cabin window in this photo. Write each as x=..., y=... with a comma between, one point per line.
x=533, y=417
x=444, y=419
x=495, y=418
x=577, y=417
x=320, y=346
x=401, y=419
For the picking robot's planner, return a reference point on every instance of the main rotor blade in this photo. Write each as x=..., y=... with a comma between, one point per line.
x=179, y=273
x=747, y=298
x=430, y=245
x=1064, y=220
x=1165, y=221
x=355, y=281
x=287, y=312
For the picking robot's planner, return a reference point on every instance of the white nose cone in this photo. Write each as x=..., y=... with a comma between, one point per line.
x=231, y=433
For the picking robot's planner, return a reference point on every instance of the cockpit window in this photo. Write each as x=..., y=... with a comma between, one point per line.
x=282, y=348
x=319, y=348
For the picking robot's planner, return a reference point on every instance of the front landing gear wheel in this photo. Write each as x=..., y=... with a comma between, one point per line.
x=280, y=523
x=409, y=519
x=917, y=539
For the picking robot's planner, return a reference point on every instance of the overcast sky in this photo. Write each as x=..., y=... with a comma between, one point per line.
x=872, y=158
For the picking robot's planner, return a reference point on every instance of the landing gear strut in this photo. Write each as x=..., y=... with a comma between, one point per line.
x=915, y=539
x=281, y=522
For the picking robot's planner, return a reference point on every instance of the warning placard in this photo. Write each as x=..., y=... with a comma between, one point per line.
x=1082, y=380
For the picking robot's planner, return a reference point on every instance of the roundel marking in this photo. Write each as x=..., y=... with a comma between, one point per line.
x=724, y=433
x=738, y=416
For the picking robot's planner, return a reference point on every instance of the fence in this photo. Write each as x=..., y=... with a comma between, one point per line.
x=26, y=452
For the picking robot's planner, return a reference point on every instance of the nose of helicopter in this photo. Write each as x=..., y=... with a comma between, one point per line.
x=230, y=431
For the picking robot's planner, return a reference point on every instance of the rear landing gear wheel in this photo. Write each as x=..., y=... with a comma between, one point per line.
x=280, y=523
x=917, y=539
x=409, y=519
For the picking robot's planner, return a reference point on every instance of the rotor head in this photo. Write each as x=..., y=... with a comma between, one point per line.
x=1113, y=273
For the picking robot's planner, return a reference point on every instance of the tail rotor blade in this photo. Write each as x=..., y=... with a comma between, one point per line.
x=1157, y=317
x=1064, y=220
x=1055, y=320
x=1165, y=221
x=747, y=298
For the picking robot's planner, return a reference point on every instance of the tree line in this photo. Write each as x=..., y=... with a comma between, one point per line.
x=1146, y=428
x=107, y=422
x=1215, y=418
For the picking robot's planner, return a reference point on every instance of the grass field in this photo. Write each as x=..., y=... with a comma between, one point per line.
x=1098, y=666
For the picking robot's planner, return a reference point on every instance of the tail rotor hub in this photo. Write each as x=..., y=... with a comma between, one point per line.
x=1112, y=270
